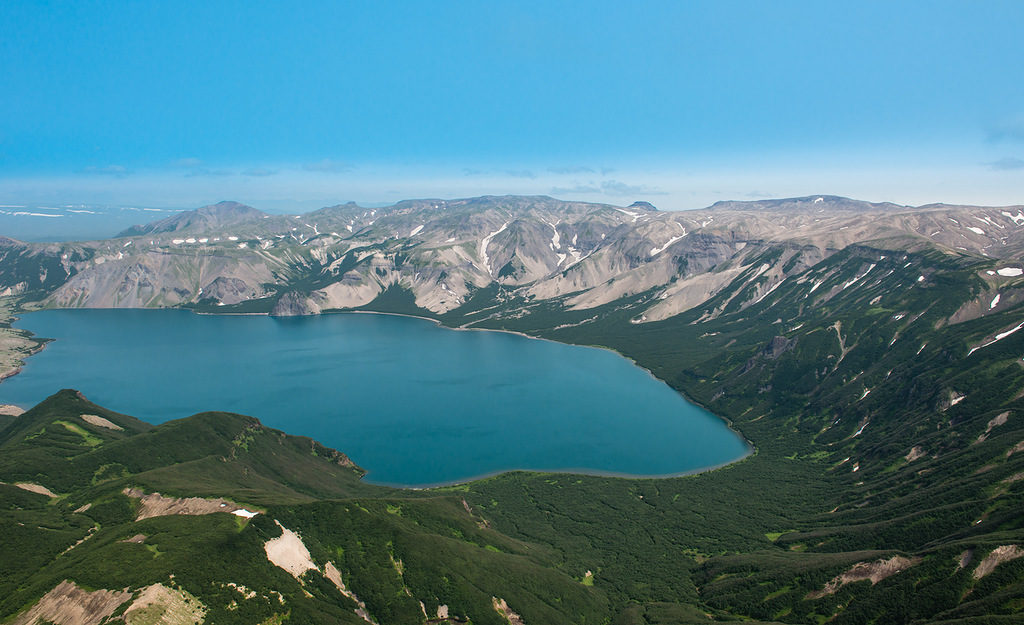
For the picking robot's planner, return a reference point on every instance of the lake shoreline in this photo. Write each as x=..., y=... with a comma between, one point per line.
x=749, y=448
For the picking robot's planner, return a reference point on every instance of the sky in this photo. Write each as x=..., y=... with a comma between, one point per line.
x=299, y=105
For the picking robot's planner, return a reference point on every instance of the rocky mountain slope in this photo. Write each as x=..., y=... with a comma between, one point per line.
x=443, y=251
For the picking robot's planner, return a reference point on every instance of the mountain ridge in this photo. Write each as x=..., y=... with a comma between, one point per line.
x=581, y=254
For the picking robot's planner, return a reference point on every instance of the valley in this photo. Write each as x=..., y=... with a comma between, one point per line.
x=870, y=352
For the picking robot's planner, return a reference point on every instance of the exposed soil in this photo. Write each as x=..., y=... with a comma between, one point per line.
x=996, y=421
x=1016, y=477
x=67, y=604
x=101, y=422
x=506, y=612
x=158, y=604
x=874, y=571
x=155, y=504
x=915, y=453
x=998, y=555
x=332, y=573
x=246, y=593
x=35, y=488
x=288, y=552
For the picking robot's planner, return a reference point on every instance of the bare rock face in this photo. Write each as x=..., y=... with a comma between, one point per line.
x=68, y=604
x=641, y=205
x=778, y=346
x=295, y=304
x=227, y=290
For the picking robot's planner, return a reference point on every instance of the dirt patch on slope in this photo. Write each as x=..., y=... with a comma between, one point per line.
x=995, y=422
x=1016, y=477
x=101, y=422
x=506, y=612
x=155, y=504
x=915, y=453
x=35, y=488
x=999, y=555
x=67, y=604
x=166, y=606
x=332, y=573
x=289, y=552
x=873, y=571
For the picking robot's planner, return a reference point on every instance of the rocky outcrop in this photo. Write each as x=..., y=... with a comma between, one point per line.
x=67, y=604
x=229, y=290
x=157, y=277
x=295, y=304
x=871, y=571
x=778, y=346
x=155, y=504
x=171, y=605
x=1003, y=553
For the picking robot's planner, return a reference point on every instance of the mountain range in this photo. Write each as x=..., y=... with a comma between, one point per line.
x=531, y=249
x=869, y=351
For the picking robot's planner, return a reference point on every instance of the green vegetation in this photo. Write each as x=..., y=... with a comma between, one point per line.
x=846, y=392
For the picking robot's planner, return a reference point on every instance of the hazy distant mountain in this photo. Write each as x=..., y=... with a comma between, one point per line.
x=207, y=218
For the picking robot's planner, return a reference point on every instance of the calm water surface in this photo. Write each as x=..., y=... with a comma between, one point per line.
x=413, y=403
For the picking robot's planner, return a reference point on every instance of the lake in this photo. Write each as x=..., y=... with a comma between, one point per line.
x=413, y=403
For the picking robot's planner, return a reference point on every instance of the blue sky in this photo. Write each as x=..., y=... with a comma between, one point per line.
x=680, y=103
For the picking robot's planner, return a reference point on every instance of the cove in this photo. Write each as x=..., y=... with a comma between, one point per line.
x=413, y=403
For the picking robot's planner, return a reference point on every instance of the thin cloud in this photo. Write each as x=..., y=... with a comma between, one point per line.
x=608, y=187
x=512, y=173
x=202, y=172
x=571, y=170
x=259, y=172
x=329, y=166
x=1008, y=129
x=580, y=188
x=188, y=163
x=614, y=187
x=117, y=171
x=1007, y=163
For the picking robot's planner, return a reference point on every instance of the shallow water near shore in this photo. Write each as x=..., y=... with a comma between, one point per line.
x=413, y=403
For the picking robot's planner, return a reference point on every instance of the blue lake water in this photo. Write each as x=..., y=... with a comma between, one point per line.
x=413, y=403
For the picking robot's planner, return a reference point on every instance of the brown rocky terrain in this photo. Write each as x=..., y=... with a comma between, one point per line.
x=442, y=251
